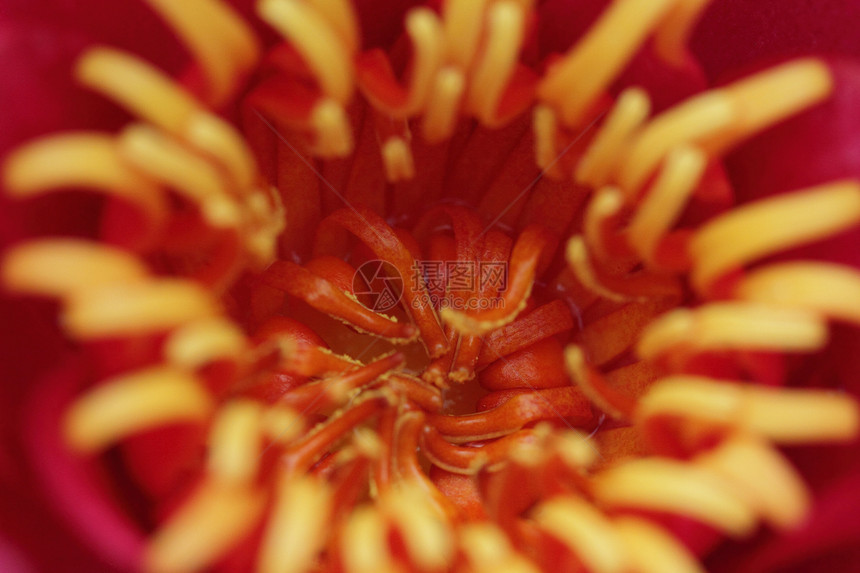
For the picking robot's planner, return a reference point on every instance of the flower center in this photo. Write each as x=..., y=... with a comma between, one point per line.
x=431, y=305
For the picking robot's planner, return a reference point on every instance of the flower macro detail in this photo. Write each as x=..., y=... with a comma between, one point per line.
x=597, y=351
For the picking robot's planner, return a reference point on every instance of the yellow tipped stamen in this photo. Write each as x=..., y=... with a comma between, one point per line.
x=282, y=424
x=545, y=126
x=798, y=416
x=463, y=21
x=297, y=527
x=574, y=449
x=218, y=38
x=208, y=526
x=83, y=159
x=789, y=416
x=577, y=257
x=324, y=51
x=833, y=290
x=489, y=551
x=666, y=199
x=428, y=539
x=151, y=95
x=331, y=128
x=365, y=547
x=574, y=358
x=342, y=18
x=63, y=267
x=627, y=115
x=696, y=120
x=220, y=140
x=770, y=97
x=734, y=326
x=772, y=225
x=590, y=535
x=671, y=36
x=196, y=344
x=139, y=308
x=235, y=442
x=143, y=90
x=651, y=549
x=443, y=105
x=574, y=84
x=133, y=403
x=763, y=477
x=720, y=118
x=397, y=156
x=426, y=33
x=603, y=208
x=505, y=34
x=675, y=487
x=174, y=165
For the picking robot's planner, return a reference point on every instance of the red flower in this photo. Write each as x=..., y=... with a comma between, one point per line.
x=626, y=274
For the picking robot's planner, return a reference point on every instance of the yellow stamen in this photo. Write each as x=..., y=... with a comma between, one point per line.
x=426, y=33
x=545, y=126
x=651, y=549
x=151, y=95
x=696, y=120
x=505, y=34
x=463, y=21
x=833, y=290
x=82, y=159
x=220, y=141
x=168, y=161
x=443, y=105
x=282, y=424
x=140, y=308
x=605, y=205
x=332, y=130
x=586, y=531
x=574, y=449
x=772, y=225
x=574, y=358
x=397, y=156
x=208, y=526
x=763, y=477
x=196, y=344
x=342, y=18
x=235, y=442
x=365, y=543
x=575, y=83
x=577, y=257
x=675, y=487
x=720, y=118
x=428, y=539
x=629, y=113
x=324, y=51
x=297, y=527
x=133, y=403
x=671, y=36
x=218, y=38
x=734, y=325
x=63, y=267
x=770, y=97
x=788, y=416
x=143, y=90
x=489, y=550
x=666, y=199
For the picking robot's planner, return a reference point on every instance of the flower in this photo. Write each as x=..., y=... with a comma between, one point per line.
x=440, y=287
